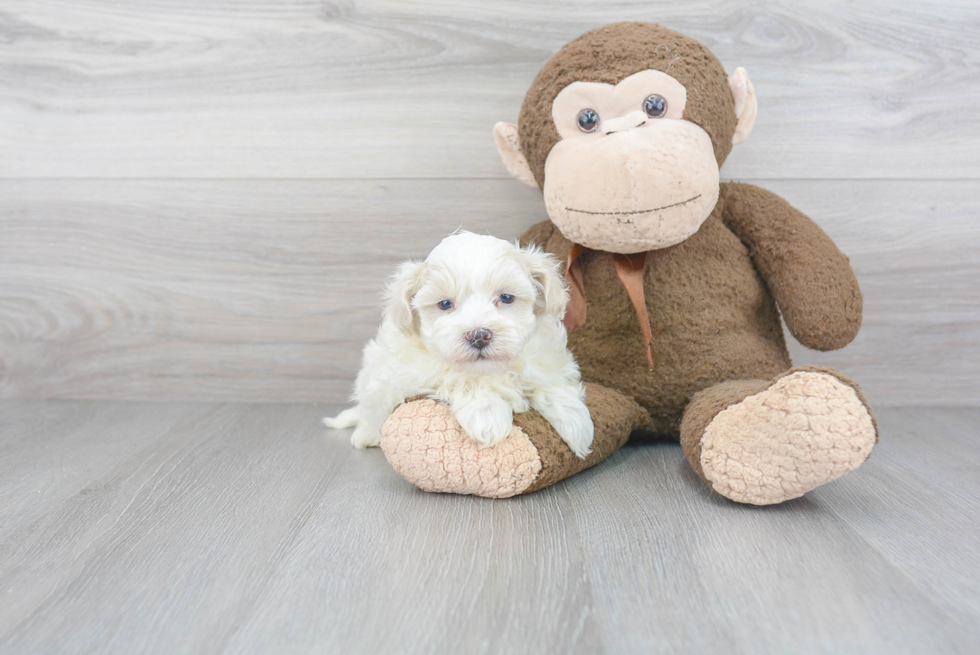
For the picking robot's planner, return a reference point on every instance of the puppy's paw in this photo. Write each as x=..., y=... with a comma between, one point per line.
x=366, y=436
x=572, y=421
x=486, y=421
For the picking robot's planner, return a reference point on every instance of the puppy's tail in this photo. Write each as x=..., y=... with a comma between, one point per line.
x=346, y=419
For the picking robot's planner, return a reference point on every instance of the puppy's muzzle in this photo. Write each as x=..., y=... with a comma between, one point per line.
x=479, y=338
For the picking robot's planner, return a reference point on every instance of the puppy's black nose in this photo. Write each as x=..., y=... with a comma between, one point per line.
x=479, y=338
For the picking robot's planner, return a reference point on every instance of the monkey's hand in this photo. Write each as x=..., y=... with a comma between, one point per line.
x=811, y=279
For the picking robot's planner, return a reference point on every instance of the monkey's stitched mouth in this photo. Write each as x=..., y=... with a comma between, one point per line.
x=640, y=211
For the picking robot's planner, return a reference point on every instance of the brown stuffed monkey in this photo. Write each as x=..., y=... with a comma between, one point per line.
x=677, y=284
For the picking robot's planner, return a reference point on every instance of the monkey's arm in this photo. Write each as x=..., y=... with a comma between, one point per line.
x=811, y=280
x=549, y=238
x=538, y=234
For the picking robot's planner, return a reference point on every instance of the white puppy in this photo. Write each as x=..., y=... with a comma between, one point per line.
x=478, y=326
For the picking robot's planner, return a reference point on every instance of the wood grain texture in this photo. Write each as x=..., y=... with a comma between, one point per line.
x=931, y=472
x=290, y=154
x=49, y=453
x=387, y=89
x=249, y=529
x=787, y=578
x=267, y=290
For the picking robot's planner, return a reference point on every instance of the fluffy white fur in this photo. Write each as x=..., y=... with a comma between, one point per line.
x=422, y=349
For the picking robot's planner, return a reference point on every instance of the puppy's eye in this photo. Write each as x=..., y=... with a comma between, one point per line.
x=655, y=106
x=506, y=298
x=588, y=120
x=445, y=304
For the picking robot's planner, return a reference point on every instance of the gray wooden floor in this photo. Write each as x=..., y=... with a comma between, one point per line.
x=132, y=527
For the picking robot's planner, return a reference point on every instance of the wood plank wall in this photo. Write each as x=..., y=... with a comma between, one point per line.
x=201, y=199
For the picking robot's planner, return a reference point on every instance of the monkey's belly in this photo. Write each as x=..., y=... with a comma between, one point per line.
x=681, y=368
x=712, y=319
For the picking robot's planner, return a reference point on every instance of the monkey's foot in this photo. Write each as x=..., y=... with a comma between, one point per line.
x=767, y=442
x=425, y=444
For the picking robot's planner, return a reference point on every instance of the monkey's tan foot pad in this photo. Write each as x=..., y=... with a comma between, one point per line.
x=425, y=444
x=808, y=428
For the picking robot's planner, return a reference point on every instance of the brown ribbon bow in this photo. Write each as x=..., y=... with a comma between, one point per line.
x=629, y=268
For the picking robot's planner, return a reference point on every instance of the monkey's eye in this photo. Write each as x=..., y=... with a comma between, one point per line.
x=506, y=298
x=588, y=120
x=655, y=106
x=445, y=304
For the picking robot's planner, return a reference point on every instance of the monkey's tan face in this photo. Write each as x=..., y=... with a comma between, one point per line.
x=629, y=173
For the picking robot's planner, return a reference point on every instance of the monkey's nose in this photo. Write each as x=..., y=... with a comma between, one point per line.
x=479, y=338
x=630, y=120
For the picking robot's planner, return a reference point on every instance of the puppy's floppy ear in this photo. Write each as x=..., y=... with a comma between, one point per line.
x=552, y=297
x=402, y=286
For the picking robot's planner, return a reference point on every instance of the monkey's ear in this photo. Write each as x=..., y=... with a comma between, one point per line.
x=509, y=147
x=402, y=286
x=746, y=105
